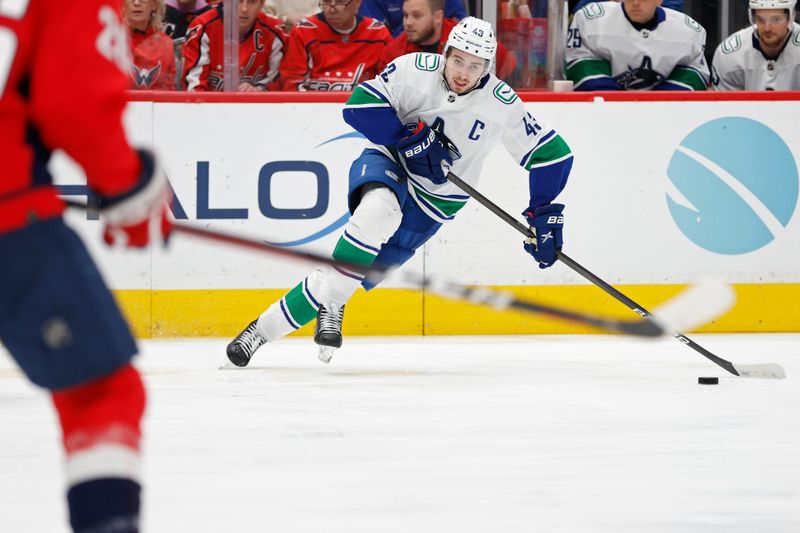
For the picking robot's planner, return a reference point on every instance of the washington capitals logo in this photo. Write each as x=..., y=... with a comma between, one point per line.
x=641, y=77
x=144, y=78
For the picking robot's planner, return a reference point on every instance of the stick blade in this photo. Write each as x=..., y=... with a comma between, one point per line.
x=764, y=371
x=694, y=307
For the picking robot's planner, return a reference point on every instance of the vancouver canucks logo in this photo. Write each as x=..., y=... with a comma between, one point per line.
x=144, y=78
x=594, y=11
x=732, y=44
x=427, y=62
x=693, y=24
x=641, y=77
x=504, y=93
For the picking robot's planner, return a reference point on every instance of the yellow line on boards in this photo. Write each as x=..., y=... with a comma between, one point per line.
x=223, y=313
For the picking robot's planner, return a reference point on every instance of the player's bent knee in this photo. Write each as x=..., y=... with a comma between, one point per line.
x=378, y=215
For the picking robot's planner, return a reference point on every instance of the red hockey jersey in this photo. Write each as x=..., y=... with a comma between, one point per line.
x=260, y=52
x=61, y=88
x=321, y=59
x=506, y=62
x=153, y=60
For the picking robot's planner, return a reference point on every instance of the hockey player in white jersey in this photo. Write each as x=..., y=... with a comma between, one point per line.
x=423, y=115
x=764, y=56
x=635, y=45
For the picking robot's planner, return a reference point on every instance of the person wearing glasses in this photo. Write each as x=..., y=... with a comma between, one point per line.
x=334, y=50
x=764, y=56
x=424, y=115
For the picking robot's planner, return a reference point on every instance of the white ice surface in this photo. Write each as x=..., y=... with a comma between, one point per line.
x=463, y=434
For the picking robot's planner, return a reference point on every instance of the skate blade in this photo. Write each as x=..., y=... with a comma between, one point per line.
x=325, y=353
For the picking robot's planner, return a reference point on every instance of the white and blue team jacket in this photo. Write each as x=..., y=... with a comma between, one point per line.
x=608, y=51
x=740, y=65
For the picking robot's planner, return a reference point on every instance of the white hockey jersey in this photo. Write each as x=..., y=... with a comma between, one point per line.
x=412, y=88
x=608, y=51
x=740, y=65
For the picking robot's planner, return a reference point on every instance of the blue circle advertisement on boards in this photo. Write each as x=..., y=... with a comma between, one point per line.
x=739, y=183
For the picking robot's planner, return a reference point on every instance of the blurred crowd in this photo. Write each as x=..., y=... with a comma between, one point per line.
x=332, y=45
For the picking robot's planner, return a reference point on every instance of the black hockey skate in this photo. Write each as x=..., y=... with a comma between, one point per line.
x=328, y=331
x=241, y=349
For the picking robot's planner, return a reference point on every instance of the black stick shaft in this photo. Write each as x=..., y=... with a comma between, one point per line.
x=477, y=295
x=574, y=265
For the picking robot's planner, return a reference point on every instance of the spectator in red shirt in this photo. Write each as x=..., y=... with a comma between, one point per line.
x=334, y=50
x=426, y=30
x=153, y=53
x=262, y=39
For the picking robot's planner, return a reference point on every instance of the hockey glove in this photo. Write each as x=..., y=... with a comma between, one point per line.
x=546, y=223
x=424, y=153
x=134, y=217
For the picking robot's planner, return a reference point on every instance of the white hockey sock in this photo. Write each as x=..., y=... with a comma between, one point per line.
x=374, y=221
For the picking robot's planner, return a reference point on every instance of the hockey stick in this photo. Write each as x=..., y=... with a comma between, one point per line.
x=767, y=370
x=687, y=308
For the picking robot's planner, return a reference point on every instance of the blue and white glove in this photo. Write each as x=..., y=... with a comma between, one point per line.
x=424, y=153
x=546, y=222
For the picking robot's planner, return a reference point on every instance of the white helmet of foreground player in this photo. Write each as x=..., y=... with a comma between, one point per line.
x=789, y=5
x=476, y=39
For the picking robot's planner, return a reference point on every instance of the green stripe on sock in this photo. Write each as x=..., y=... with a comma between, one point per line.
x=299, y=307
x=347, y=252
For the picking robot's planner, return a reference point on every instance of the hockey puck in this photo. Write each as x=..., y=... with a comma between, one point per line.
x=708, y=381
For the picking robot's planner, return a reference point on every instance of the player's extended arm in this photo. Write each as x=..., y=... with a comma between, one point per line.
x=548, y=159
x=369, y=112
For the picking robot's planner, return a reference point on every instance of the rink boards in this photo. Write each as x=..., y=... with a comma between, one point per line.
x=663, y=193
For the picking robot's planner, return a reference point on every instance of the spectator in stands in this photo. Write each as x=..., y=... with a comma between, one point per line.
x=333, y=50
x=262, y=39
x=179, y=14
x=764, y=56
x=426, y=30
x=677, y=5
x=292, y=11
x=390, y=12
x=153, y=55
x=635, y=45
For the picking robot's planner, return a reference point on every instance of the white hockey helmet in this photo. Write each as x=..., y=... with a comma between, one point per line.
x=773, y=4
x=473, y=36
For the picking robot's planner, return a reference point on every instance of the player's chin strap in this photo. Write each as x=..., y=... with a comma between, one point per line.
x=768, y=370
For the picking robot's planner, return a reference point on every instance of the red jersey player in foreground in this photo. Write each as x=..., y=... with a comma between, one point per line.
x=57, y=317
x=334, y=50
x=261, y=48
